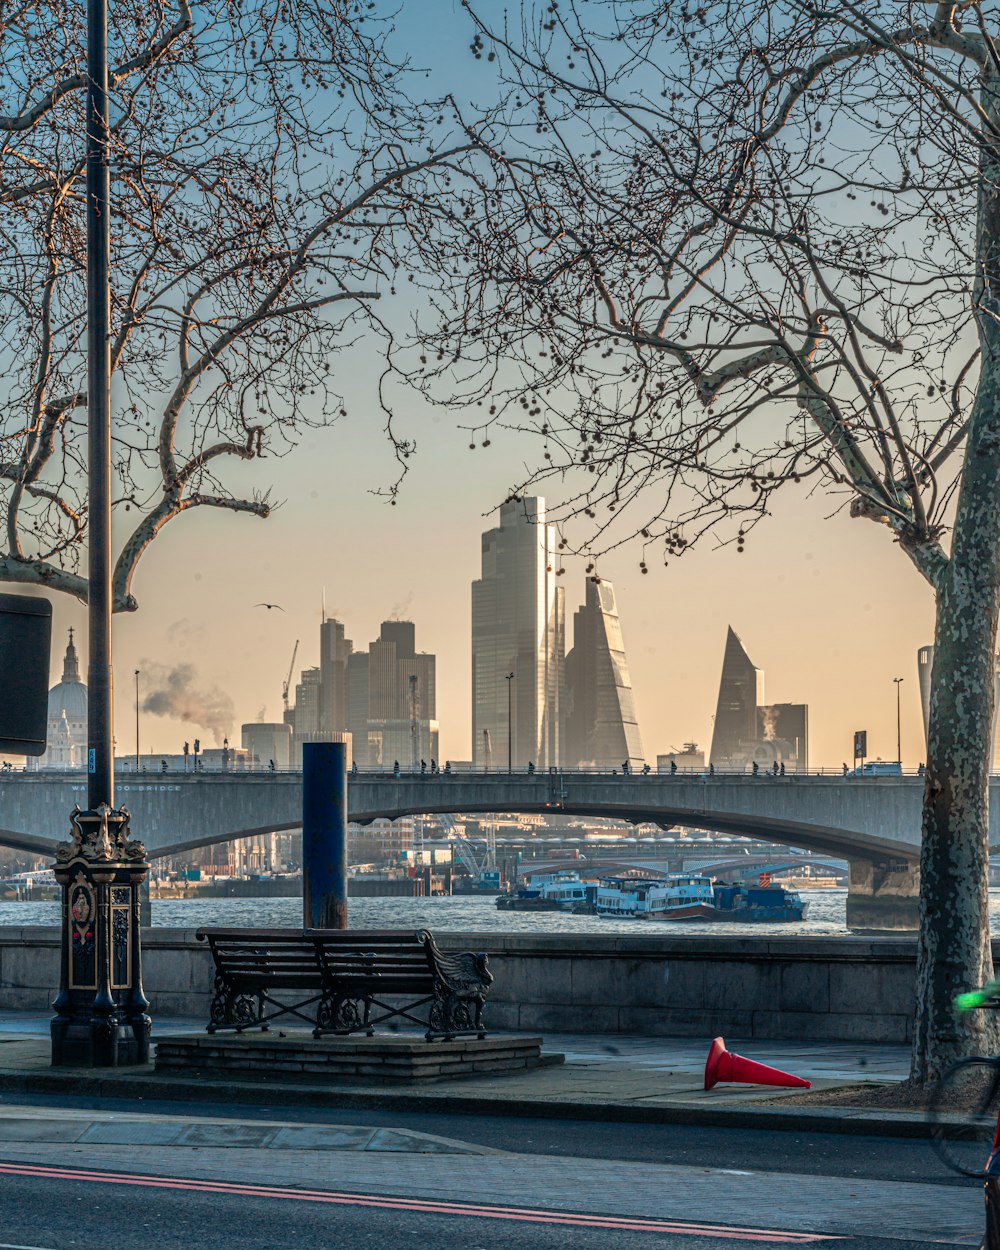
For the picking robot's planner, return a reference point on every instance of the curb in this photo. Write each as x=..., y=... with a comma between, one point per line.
x=277, y=1094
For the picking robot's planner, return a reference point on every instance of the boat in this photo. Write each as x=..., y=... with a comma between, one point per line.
x=759, y=904
x=623, y=896
x=691, y=896
x=740, y=904
x=682, y=896
x=554, y=891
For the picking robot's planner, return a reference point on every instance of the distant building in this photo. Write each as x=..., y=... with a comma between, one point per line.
x=689, y=760
x=601, y=725
x=309, y=721
x=268, y=741
x=66, y=726
x=749, y=731
x=334, y=653
x=783, y=735
x=392, y=701
x=741, y=692
x=518, y=627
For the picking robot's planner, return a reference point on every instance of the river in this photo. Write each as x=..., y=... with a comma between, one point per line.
x=826, y=914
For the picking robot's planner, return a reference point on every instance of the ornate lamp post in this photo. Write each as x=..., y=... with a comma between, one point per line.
x=101, y=1017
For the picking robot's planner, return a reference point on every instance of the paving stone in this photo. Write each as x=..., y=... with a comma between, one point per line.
x=226, y=1136
x=320, y=1137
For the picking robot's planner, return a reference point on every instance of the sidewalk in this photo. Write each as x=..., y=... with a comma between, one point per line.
x=617, y=1077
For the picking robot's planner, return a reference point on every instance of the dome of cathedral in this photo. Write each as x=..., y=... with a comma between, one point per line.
x=70, y=695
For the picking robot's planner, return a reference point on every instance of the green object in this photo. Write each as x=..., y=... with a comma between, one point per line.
x=978, y=998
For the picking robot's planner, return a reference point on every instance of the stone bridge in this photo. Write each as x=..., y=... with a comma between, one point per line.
x=873, y=822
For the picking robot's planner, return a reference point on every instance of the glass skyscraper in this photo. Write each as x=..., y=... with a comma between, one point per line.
x=519, y=627
x=748, y=731
x=601, y=726
x=741, y=691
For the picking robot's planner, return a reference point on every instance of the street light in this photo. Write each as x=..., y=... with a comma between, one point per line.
x=100, y=1011
x=137, y=760
x=510, y=723
x=899, y=750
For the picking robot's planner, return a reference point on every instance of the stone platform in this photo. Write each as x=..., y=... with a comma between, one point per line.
x=297, y=1055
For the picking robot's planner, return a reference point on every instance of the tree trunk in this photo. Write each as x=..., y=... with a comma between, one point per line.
x=953, y=950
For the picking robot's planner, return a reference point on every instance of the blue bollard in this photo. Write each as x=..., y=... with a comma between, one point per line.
x=324, y=835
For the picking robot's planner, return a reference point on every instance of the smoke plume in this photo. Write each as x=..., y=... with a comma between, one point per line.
x=401, y=610
x=180, y=693
x=769, y=720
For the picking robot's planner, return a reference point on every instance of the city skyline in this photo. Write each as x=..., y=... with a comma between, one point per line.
x=694, y=722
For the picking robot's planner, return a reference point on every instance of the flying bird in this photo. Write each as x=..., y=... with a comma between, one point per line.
x=269, y=606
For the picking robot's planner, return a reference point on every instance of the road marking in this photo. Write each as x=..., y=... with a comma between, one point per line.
x=426, y=1206
x=5, y=1245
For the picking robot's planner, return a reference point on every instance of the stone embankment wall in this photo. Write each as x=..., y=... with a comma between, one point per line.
x=835, y=988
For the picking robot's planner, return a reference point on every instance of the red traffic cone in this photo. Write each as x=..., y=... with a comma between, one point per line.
x=723, y=1065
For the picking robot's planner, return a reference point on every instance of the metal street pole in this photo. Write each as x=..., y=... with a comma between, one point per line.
x=100, y=1011
x=100, y=762
x=137, y=720
x=510, y=724
x=899, y=724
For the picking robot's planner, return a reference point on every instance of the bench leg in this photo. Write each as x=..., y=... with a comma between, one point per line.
x=337, y=1014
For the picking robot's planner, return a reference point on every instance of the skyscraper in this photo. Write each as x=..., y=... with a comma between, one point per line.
x=749, y=731
x=392, y=700
x=518, y=627
x=601, y=726
x=741, y=692
x=334, y=650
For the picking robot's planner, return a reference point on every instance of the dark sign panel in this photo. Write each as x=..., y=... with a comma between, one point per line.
x=25, y=644
x=861, y=744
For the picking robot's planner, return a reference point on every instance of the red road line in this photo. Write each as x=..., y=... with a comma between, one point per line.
x=423, y=1206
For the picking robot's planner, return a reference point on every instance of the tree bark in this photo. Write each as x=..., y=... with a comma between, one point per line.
x=954, y=942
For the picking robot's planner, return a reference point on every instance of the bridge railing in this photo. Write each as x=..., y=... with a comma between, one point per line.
x=432, y=769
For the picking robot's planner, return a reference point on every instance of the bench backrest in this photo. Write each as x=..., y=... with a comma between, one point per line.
x=398, y=958
x=396, y=961
x=279, y=957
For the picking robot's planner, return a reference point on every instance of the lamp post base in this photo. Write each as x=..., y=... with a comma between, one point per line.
x=99, y=1043
x=101, y=1018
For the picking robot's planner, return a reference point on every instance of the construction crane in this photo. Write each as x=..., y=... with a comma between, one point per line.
x=288, y=680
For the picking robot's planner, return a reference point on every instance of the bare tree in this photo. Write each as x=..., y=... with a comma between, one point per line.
x=732, y=246
x=266, y=166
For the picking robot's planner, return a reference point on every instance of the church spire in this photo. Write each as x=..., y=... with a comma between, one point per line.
x=71, y=662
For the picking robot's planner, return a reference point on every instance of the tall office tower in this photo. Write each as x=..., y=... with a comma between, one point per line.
x=357, y=705
x=601, y=726
x=392, y=700
x=334, y=650
x=518, y=626
x=925, y=665
x=741, y=691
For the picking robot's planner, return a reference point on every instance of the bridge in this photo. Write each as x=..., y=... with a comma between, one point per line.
x=872, y=822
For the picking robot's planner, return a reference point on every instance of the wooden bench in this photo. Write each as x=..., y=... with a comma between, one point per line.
x=344, y=981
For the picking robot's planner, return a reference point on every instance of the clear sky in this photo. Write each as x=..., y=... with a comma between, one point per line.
x=830, y=608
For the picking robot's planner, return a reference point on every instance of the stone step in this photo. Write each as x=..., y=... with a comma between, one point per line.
x=300, y=1056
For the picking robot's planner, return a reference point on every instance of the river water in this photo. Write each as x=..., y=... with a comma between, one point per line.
x=466, y=913
x=826, y=914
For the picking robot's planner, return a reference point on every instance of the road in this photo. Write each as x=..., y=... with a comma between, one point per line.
x=476, y=1183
